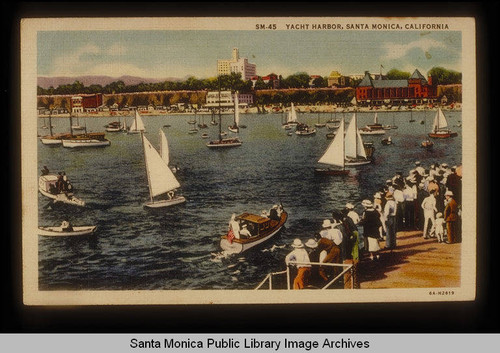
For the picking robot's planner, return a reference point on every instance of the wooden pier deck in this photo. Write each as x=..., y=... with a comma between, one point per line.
x=414, y=263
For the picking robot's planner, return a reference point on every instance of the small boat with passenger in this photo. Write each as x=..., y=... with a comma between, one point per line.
x=248, y=230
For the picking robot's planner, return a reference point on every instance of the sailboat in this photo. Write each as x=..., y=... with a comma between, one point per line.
x=114, y=126
x=235, y=127
x=355, y=150
x=124, y=125
x=52, y=139
x=161, y=180
x=334, y=155
x=91, y=139
x=439, y=127
x=202, y=124
x=426, y=143
x=319, y=123
x=77, y=126
x=45, y=126
x=291, y=118
x=373, y=129
x=345, y=150
x=223, y=142
x=411, y=116
x=212, y=121
x=137, y=125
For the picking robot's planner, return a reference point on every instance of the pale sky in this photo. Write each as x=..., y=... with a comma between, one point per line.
x=168, y=53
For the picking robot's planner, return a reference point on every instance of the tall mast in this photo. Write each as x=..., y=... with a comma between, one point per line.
x=147, y=169
x=71, y=123
x=220, y=116
x=50, y=122
x=343, y=145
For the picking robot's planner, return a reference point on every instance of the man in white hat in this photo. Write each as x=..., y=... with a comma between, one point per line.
x=390, y=210
x=429, y=207
x=451, y=217
x=300, y=259
x=371, y=224
x=329, y=231
x=351, y=213
x=418, y=167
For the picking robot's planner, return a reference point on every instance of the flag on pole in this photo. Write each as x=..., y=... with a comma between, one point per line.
x=230, y=236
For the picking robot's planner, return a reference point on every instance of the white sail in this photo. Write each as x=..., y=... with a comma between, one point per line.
x=160, y=177
x=137, y=124
x=334, y=154
x=351, y=139
x=360, y=147
x=375, y=119
x=292, y=115
x=354, y=147
x=439, y=121
x=164, y=152
x=236, y=110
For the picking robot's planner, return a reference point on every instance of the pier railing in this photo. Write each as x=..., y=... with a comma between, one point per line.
x=269, y=278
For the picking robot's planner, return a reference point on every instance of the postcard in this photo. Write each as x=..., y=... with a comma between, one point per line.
x=242, y=160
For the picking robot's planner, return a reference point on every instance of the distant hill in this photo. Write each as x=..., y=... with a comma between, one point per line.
x=46, y=82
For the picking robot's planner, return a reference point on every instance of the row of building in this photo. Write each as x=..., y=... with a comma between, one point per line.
x=372, y=90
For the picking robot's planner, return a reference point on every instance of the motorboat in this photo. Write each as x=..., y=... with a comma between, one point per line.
x=252, y=230
x=47, y=186
x=93, y=139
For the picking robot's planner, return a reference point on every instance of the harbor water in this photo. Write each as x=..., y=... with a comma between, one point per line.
x=178, y=247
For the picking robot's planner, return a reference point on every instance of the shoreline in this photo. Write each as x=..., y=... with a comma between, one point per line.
x=253, y=110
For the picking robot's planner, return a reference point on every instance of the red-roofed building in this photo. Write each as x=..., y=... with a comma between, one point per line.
x=271, y=78
x=415, y=90
x=86, y=102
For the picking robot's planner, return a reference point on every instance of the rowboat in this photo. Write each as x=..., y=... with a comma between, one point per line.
x=60, y=232
x=255, y=229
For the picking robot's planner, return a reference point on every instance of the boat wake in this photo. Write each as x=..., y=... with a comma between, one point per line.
x=274, y=248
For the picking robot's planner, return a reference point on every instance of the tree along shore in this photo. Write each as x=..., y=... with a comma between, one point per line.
x=276, y=97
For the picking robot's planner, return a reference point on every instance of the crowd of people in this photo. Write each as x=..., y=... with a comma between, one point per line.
x=426, y=199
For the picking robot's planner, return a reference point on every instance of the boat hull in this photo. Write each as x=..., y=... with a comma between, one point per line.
x=44, y=184
x=371, y=132
x=165, y=203
x=305, y=133
x=85, y=143
x=328, y=171
x=113, y=129
x=357, y=162
x=224, y=143
x=240, y=245
x=49, y=141
x=443, y=135
x=58, y=232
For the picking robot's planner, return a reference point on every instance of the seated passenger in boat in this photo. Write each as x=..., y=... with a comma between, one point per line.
x=244, y=232
x=273, y=213
x=66, y=226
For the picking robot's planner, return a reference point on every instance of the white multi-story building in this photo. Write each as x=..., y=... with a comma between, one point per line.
x=236, y=65
x=77, y=104
x=227, y=99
